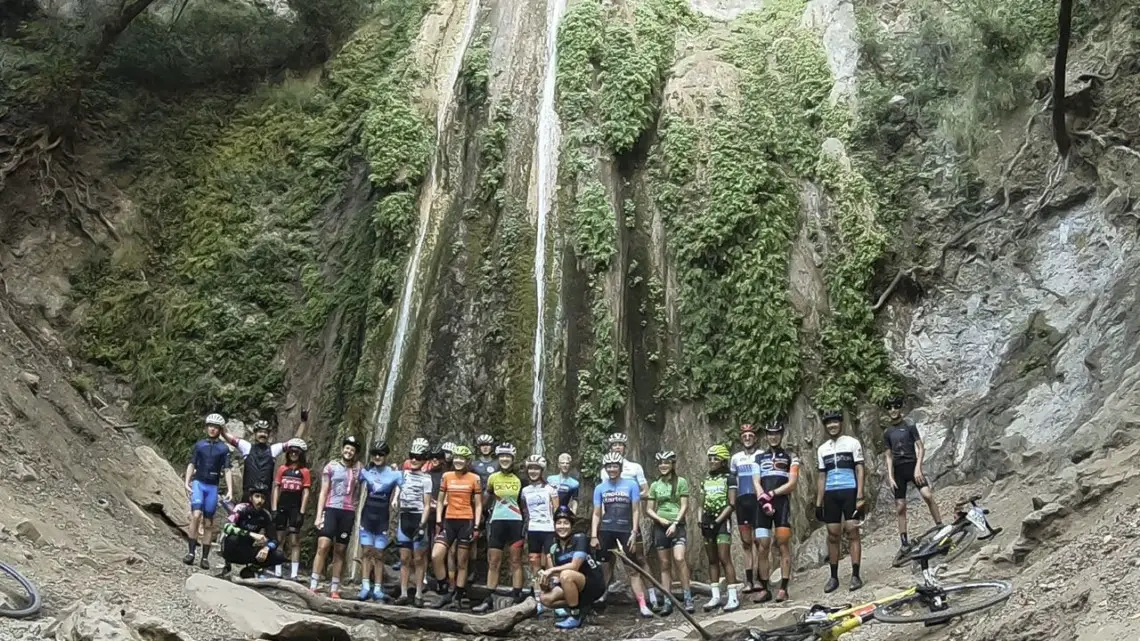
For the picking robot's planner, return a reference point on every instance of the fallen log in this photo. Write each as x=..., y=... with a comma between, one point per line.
x=497, y=624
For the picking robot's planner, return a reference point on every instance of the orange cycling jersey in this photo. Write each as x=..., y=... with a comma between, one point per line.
x=461, y=490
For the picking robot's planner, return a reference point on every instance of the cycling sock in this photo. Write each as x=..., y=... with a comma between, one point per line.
x=689, y=595
x=905, y=540
x=410, y=593
x=575, y=612
x=313, y=581
x=334, y=585
x=193, y=546
x=783, y=584
x=748, y=577
x=855, y=569
x=460, y=593
x=715, y=592
x=295, y=568
x=834, y=570
x=652, y=597
x=277, y=571
x=366, y=585
x=205, y=552
x=764, y=584
x=641, y=601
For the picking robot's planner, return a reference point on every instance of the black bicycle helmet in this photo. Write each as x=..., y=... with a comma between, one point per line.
x=831, y=415
x=259, y=488
x=351, y=440
x=379, y=448
x=894, y=401
x=775, y=427
x=564, y=513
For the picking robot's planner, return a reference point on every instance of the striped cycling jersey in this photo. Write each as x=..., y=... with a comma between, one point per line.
x=838, y=458
x=743, y=465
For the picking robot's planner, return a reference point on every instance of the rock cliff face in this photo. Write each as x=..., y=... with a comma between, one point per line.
x=735, y=211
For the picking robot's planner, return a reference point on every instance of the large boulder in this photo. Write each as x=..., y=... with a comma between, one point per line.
x=154, y=486
x=100, y=621
x=256, y=616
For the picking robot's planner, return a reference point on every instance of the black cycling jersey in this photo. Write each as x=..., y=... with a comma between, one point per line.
x=259, y=466
x=776, y=466
x=246, y=519
x=578, y=547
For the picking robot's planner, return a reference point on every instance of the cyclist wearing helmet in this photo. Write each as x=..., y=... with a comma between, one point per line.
x=504, y=489
x=779, y=472
x=260, y=457
x=209, y=458
x=378, y=486
x=667, y=507
x=485, y=464
x=291, y=487
x=839, y=495
x=743, y=465
x=904, y=454
x=629, y=469
x=574, y=579
x=718, y=494
x=414, y=500
x=616, y=521
x=461, y=494
x=251, y=539
x=439, y=464
x=540, y=500
x=567, y=485
x=336, y=513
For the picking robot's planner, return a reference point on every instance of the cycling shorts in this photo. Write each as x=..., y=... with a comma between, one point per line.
x=662, y=541
x=746, y=510
x=608, y=541
x=338, y=525
x=781, y=518
x=501, y=534
x=460, y=531
x=289, y=520
x=406, y=532
x=378, y=540
x=839, y=506
x=904, y=474
x=539, y=542
x=203, y=498
x=713, y=533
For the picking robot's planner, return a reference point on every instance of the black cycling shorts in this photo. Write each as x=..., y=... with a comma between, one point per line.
x=904, y=474
x=713, y=533
x=539, y=542
x=746, y=510
x=460, y=531
x=338, y=525
x=501, y=534
x=241, y=550
x=781, y=518
x=839, y=506
x=608, y=541
x=289, y=519
x=663, y=542
x=595, y=588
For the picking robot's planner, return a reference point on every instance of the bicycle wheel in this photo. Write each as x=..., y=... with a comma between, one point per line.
x=903, y=556
x=960, y=541
x=15, y=605
x=961, y=598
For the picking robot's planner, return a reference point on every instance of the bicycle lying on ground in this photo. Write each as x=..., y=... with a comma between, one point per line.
x=24, y=605
x=930, y=602
x=950, y=541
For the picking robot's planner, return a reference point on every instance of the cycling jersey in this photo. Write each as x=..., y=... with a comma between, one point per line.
x=416, y=485
x=668, y=497
x=578, y=547
x=461, y=490
x=259, y=460
x=618, y=500
x=900, y=439
x=838, y=458
x=714, y=494
x=379, y=483
x=293, y=481
x=246, y=519
x=537, y=499
x=485, y=468
x=209, y=457
x=567, y=488
x=341, y=482
x=776, y=467
x=504, y=488
x=630, y=471
x=743, y=465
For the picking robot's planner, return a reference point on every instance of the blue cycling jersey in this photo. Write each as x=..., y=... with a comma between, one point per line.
x=838, y=459
x=380, y=481
x=618, y=500
x=567, y=488
x=209, y=457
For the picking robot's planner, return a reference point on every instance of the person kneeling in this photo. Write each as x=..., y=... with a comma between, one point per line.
x=574, y=579
x=251, y=538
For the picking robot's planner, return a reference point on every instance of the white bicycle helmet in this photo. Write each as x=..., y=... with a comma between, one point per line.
x=612, y=458
x=618, y=437
x=505, y=449
x=536, y=460
x=216, y=419
x=485, y=439
x=420, y=446
x=448, y=447
x=296, y=443
x=667, y=455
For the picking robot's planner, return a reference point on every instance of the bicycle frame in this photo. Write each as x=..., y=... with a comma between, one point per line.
x=855, y=616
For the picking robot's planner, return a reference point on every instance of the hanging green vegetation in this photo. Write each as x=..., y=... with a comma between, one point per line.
x=200, y=325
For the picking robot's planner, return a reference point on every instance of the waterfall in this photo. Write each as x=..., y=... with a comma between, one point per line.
x=547, y=183
x=383, y=412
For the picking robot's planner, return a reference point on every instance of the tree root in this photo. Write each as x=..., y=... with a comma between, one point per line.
x=497, y=624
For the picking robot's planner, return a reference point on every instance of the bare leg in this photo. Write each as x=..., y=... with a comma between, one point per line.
x=726, y=562
x=461, y=571
x=747, y=541
x=713, y=557
x=421, y=560
x=439, y=554
x=833, y=533
x=319, y=560
x=681, y=565
x=763, y=559
x=928, y=496
x=666, y=575
x=853, y=541
x=784, y=543
x=406, y=567
x=516, y=566
x=494, y=565
x=900, y=511
x=337, y=563
x=572, y=585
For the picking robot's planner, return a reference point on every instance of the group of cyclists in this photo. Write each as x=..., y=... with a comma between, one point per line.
x=442, y=506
